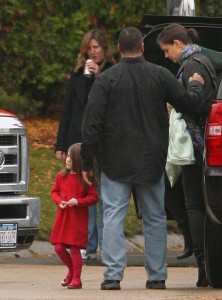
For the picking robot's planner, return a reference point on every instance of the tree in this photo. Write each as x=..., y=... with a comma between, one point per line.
x=40, y=39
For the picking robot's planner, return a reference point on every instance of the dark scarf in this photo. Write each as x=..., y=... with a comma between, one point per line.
x=193, y=129
x=190, y=50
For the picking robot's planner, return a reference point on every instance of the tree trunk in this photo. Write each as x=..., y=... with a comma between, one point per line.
x=180, y=7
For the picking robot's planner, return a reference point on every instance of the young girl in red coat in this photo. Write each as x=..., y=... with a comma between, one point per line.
x=70, y=228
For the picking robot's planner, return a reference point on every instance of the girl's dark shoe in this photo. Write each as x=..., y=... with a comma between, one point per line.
x=72, y=286
x=202, y=279
x=67, y=280
x=75, y=284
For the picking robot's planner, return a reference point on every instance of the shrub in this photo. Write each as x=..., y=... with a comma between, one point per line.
x=19, y=105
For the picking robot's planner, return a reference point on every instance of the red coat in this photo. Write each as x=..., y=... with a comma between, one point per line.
x=71, y=224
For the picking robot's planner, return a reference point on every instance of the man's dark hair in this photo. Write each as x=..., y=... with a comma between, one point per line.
x=130, y=40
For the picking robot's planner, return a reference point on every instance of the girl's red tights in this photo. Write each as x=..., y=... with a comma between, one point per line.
x=77, y=265
x=72, y=260
x=64, y=255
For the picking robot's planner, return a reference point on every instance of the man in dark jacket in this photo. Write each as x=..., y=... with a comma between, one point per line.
x=127, y=110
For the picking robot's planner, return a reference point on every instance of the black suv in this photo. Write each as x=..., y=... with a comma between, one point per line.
x=210, y=36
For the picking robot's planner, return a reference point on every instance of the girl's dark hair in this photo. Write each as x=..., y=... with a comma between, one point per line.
x=75, y=156
x=176, y=31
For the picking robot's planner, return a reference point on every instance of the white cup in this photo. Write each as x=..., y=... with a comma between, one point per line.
x=87, y=73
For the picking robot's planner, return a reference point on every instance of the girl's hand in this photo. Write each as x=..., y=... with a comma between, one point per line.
x=72, y=202
x=63, y=204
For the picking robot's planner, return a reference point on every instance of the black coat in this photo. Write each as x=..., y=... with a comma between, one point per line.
x=69, y=131
x=127, y=109
x=201, y=65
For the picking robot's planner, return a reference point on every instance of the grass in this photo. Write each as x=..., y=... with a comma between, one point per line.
x=43, y=169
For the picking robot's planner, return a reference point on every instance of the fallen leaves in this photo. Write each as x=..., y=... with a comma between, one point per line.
x=41, y=133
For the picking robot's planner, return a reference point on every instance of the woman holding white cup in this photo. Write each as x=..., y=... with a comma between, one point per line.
x=94, y=57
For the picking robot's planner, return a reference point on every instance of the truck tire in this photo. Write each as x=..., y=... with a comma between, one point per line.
x=213, y=250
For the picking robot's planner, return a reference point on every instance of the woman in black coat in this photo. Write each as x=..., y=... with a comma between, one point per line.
x=94, y=47
x=177, y=44
x=96, y=57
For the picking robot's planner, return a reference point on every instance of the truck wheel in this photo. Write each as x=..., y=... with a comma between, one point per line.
x=213, y=248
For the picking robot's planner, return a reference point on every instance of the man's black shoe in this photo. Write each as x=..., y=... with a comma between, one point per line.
x=110, y=285
x=156, y=284
x=186, y=253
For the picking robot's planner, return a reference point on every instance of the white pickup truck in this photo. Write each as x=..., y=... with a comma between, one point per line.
x=19, y=214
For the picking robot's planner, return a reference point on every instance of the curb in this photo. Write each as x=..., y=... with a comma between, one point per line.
x=42, y=252
x=133, y=259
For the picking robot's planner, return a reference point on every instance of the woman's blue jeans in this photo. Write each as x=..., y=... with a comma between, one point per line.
x=116, y=197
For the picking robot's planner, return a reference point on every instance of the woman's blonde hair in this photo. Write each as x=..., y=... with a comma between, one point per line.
x=102, y=41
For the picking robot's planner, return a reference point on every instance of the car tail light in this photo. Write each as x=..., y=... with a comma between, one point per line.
x=213, y=135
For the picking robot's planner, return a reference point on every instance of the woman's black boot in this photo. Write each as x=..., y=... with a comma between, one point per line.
x=188, y=245
x=202, y=277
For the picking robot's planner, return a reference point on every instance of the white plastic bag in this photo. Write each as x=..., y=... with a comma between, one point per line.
x=180, y=148
x=173, y=172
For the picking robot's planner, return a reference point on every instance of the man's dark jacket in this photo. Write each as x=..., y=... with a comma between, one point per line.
x=127, y=109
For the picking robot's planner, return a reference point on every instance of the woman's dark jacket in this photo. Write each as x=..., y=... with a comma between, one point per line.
x=69, y=131
x=198, y=63
x=188, y=68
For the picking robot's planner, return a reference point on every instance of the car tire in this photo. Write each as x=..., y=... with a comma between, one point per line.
x=213, y=248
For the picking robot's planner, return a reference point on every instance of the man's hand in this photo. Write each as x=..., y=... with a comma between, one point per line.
x=197, y=77
x=87, y=177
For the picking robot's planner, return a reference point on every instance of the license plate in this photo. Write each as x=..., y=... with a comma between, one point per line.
x=8, y=235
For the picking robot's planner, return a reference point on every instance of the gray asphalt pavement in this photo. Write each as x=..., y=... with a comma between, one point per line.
x=43, y=282
x=36, y=273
